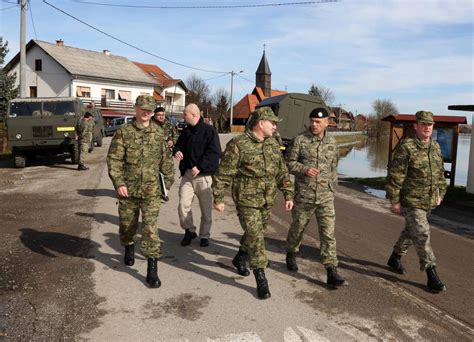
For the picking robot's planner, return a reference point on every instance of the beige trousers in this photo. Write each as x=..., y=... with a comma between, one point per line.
x=199, y=186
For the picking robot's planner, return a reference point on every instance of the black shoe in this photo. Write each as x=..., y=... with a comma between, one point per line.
x=129, y=258
x=262, y=285
x=240, y=262
x=165, y=198
x=152, y=273
x=395, y=263
x=204, y=242
x=291, y=262
x=334, y=280
x=82, y=167
x=188, y=236
x=434, y=283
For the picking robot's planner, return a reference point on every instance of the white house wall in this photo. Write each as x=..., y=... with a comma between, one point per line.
x=178, y=94
x=96, y=88
x=51, y=81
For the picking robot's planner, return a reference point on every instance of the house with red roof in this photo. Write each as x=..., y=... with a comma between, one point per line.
x=168, y=92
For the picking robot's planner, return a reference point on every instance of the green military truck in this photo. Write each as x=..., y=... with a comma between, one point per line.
x=293, y=109
x=47, y=126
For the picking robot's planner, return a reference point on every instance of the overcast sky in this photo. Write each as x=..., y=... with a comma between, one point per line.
x=417, y=53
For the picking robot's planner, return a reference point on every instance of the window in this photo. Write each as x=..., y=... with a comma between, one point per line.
x=38, y=65
x=125, y=95
x=83, y=91
x=108, y=93
x=33, y=91
x=169, y=99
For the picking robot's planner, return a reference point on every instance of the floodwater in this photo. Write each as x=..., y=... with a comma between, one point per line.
x=369, y=158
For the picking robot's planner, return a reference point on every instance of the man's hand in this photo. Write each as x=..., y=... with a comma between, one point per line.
x=219, y=207
x=195, y=171
x=178, y=155
x=396, y=208
x=288, y=205
x=438, y=201
x=312, y=172
x=122, y=191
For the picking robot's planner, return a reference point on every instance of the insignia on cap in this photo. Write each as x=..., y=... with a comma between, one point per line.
x=320, y=115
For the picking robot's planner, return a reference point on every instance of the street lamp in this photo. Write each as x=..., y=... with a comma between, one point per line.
x=232, y=74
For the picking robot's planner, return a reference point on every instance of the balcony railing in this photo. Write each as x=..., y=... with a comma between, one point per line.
x=174, y=109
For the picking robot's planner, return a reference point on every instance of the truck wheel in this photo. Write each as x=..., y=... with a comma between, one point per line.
x=20, y=160
x=74, y=151
x=99, y=140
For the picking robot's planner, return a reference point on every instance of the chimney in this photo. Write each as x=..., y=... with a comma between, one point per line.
x=106, y=52
x=60, y=42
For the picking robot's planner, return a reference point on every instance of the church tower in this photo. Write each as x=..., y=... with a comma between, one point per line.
x=263, y=76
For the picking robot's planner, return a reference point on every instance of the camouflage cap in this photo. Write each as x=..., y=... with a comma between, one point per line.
x=424, y=117
x=146, y=102
x=264, y=113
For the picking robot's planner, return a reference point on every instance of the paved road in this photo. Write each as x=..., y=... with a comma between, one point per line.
x=63, y=277
x=203, y=299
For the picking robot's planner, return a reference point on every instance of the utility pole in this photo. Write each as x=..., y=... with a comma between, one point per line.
x=23, y=48
x=232, y=74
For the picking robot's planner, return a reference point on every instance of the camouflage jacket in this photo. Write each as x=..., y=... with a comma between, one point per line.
x=168, y=130
x=135, y=159
x=86, y=129
x=416, y=175
x=256, y=169
x=308, y=150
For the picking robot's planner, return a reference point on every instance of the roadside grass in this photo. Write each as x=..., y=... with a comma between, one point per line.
x=343, y=139
x=453, y=194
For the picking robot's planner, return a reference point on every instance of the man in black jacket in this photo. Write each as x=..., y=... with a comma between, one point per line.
x=198, y=149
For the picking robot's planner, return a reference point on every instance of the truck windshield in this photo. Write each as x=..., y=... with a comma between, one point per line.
x=58, y=108
x=25, y=109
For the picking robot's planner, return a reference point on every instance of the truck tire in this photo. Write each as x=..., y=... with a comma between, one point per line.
x=74, y=151
x=99, y=139
x=20, y=160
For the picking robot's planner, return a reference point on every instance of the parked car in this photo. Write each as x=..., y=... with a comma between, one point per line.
x=181, y=125
x=114, y=125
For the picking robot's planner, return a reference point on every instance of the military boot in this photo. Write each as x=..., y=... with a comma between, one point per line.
x=240, y=262
x=129, y=258
x=152, y=273
x=395, y=263
x=434, y=283
x=262, y=285
x=291, y=262
x=334, y=280
x=82, y=167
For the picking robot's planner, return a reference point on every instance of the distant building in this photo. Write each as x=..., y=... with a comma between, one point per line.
x=101, y=79
x=343, y=119
x=262, y=90
x=169, y=92
x=361, y=122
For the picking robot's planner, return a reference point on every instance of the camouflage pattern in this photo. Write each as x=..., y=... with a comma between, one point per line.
x=417, y=232
x=255, y=169
x=264, y=113
x=308, y=150
x=416, y=175
x=314, y=195
x=146, y=102
x=168, y=130
x=135, y=159
x=424, y=117
x=254, y=222
x=86, y=130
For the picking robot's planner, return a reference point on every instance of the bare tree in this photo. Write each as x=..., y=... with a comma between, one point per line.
x=199, y=92
x=326, y=94
x=382, y=109
x=221, y=102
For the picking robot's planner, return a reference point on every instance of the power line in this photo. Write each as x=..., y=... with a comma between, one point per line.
x=212, y=78
x=275, y=4
x=6, y=8
x=32, y=20
x=130, y=45
x=245, y=78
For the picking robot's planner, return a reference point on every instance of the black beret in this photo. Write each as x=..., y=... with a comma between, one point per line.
x=159, y=109
x=319, y=113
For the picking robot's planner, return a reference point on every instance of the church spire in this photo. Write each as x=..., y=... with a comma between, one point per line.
x=263, y=75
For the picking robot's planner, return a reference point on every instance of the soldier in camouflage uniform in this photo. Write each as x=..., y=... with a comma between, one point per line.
x=312, y=157
x=170, y=132
x=136, y=156
x=86, y=131
x=252, y=162
x=415, y=185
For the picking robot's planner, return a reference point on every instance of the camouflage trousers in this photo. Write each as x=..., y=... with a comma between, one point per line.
x=83, y=151
x=254, y=223
x=326, y=217
x=416, y=232
x=129, y=210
